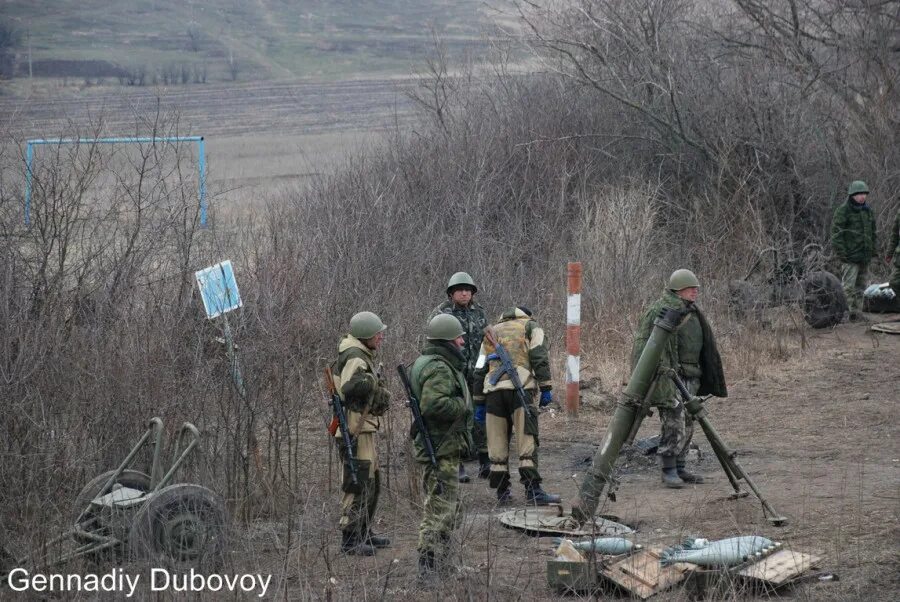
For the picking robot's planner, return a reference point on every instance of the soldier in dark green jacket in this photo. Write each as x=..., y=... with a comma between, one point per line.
x=853, y=239
x=438, y=381
x=461, y=304
x=692, y=353
x=894, y=250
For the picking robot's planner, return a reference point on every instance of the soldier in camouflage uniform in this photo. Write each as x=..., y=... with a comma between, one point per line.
x=461, y=304
x=498, y=405
x=692, y=353
x=854, y=242
x=894, y=250
x=365, y=396
x=438, y=381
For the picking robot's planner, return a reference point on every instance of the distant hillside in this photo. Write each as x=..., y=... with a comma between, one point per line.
x=215, y=40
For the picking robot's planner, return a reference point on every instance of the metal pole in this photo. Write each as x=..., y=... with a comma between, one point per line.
x=29, y=156
x=201, y=160
x=573, y=337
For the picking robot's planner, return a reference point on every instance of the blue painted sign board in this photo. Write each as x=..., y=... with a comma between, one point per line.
x=219, y=289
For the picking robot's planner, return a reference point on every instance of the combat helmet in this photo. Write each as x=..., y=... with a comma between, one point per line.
x=682, y=279
x=365, y=325
x=856, y=187
x=444, y=327
x=461, y=279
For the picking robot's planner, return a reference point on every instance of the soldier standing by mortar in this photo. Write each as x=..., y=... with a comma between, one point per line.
x=894, y=250
x=365, y=396
x=461, y=304
x=693, y=354
x=438, y=381
x=853, y=240
x=508, y=410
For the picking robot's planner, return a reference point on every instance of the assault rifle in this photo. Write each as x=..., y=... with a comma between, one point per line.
x=413, y=404
x=340, y=420
x=507, y=367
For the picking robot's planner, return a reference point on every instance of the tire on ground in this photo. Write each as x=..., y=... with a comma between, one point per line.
x=182, y=526
x=824, y=302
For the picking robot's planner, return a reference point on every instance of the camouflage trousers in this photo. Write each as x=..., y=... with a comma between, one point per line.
x=440, y=515
x=359, y=501
x=677, y=425
x=506, y=417
x=895, y=275
x=854, y=277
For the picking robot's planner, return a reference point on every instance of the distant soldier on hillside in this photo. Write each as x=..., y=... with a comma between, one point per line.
x=692, y=353
x=854, y=242
x=365, y=396
x=461, y=304
x=507, y=410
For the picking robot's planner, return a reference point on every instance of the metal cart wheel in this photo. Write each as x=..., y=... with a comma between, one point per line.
x=181, y=526
x=133, y=479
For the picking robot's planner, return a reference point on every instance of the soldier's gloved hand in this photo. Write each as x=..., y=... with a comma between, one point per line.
x=480, y=414
x=546, y=398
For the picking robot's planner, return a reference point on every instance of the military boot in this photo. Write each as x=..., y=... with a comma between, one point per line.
x=352, y=546
x=484, y=465
x=685, y=475
x=462, y=477
x=377, y=541
x=534, y=494
x=670, y=473
x=504, y=496
x=428, y=575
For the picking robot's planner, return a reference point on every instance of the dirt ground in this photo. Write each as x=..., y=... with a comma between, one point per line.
x=816, y=433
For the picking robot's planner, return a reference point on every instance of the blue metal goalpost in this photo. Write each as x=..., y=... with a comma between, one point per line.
x=201, y=161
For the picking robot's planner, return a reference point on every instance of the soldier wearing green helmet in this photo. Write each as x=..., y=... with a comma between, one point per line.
x=438, y=381
x=894, y=255
x=853, y=238
x=461, y=304
x=363, y=391
x=693, y=354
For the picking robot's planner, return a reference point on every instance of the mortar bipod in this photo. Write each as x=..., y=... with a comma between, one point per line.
x=726, y=457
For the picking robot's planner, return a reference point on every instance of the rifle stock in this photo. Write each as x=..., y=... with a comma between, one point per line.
x=340, y=420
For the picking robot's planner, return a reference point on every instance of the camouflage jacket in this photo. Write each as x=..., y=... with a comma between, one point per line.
x=360, y=386
x=474, y=321
x=695, y=338
x=894, y=248
x=437, y=380
x=528, y=349
x=853, y=232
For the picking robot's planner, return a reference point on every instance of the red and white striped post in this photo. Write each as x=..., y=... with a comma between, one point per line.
x=573, y=337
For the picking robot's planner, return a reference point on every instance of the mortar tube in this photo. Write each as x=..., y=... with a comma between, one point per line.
x=628, y=410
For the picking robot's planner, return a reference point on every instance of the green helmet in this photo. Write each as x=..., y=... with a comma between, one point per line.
x=365, y=325
x=461, y=279
x=444, y=327
x=682, y=279
x=856, y=187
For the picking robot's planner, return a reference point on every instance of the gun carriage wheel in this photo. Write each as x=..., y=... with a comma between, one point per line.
x=181, y=526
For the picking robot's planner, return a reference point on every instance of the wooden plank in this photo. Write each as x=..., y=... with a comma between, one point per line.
x=780, y=567
x=642, y=575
